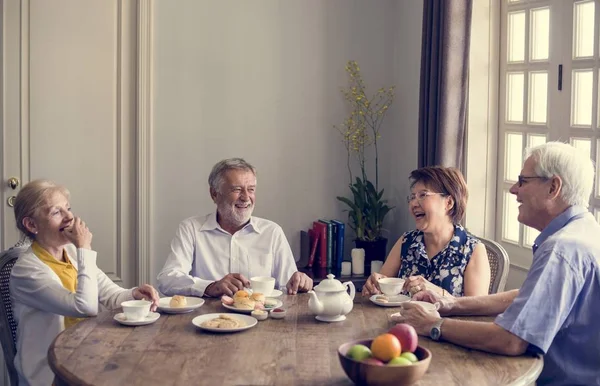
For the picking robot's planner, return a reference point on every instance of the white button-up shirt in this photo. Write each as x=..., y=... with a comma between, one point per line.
x=202, y=252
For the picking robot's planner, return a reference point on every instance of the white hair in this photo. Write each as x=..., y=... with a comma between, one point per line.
x=215, y=179
x=574, y=167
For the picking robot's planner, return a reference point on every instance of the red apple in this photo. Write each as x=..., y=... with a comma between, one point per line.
x=374, y=361
x=407, y=335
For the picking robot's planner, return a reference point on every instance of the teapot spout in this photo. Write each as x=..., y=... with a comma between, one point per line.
x=314, y=304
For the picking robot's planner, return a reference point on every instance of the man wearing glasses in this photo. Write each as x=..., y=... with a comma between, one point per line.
x=556, y=311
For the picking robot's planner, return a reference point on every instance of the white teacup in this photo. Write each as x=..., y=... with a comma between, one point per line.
x=263, y=284
x=391, y=285
x=429, y=307
x=136, y=309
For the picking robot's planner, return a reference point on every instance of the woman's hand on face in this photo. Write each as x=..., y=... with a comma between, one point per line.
x=415, y=284
x=146, y=292
x=371, y=287
x=79, y=234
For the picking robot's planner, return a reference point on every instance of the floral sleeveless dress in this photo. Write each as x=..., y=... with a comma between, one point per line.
x=447, y=268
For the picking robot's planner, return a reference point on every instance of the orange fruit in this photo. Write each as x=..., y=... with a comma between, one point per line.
x=385, y=347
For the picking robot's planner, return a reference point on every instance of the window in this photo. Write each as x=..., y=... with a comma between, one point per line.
x=549, y=90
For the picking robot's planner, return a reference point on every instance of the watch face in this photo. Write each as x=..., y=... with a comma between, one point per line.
x=435, y=333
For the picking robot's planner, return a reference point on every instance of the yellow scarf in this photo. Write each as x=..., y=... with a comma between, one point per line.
x=65, y=271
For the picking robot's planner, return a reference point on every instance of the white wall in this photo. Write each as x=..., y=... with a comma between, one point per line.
x=261, y=80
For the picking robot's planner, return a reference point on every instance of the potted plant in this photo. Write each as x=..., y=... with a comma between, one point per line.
x=361, y=129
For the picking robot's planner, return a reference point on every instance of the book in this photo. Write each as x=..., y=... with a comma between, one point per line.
x=320, y=228
x=304, y=250
x=329, y=243
x=314, y=242
x=340, y=239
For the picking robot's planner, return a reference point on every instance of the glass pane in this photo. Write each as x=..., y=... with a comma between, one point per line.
x=514, y=96
x=514, y=156
x=540, y=34
x=538, y=97
x=583, y=29
x=534, y=140
x=530, y=236
x=510, y=229
x=583, y=144
x=598, y=215
x=516, y=36
x=581, y=97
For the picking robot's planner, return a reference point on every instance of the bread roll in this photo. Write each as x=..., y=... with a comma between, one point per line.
x=178, y=301
x=240, y=294
x=258, y=297
x=244, y=303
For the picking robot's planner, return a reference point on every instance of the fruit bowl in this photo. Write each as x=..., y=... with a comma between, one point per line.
x=373, y=374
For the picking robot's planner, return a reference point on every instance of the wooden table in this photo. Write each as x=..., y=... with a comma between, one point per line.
x=295, y=350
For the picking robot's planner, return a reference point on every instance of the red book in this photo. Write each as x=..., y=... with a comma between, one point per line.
x=314, y=241
x=320, y=230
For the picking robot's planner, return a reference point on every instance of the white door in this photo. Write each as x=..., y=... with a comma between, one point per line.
x=69, y=114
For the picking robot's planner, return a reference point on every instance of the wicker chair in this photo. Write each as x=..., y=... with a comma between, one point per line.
x=8, y=325
x=499, y=265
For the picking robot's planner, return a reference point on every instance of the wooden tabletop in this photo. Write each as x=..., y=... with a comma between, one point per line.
x=295, y=350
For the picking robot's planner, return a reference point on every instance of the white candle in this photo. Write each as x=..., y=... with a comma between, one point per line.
x=376, y=266
x=358, y=261
x=346, y=268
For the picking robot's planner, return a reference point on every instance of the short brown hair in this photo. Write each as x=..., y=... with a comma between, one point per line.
x=449, y=181
x=32, y=198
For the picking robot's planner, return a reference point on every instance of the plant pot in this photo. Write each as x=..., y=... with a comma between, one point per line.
x=374, y=250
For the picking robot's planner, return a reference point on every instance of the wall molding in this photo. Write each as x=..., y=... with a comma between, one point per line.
x=144, y=139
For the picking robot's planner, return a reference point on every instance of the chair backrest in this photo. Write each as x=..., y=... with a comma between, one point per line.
x=499, y=265
x=8, y=325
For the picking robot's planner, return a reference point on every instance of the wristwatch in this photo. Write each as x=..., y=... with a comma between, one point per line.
x=436, y=331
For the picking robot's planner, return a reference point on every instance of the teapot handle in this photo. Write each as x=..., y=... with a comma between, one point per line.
x=352, y=288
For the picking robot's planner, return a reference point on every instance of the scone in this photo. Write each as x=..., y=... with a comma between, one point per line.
x=258, y=297
x=244, y=303
x=240, y=294
x=178, y=301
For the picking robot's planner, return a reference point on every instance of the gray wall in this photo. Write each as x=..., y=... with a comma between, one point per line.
x=261, y=80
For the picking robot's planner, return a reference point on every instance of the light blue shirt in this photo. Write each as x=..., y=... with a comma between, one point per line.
x=558, y=307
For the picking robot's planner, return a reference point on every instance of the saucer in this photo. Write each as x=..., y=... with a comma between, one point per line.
x=330, y=319
x=192, y=304
x=393, y=301
x=151, y=318
x=242, y=311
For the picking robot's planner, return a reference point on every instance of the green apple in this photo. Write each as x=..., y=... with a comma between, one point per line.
x=410, y=356
x=359, y=352
x=399, y=361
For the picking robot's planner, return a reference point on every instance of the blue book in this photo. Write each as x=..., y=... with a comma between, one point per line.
x=341, y=228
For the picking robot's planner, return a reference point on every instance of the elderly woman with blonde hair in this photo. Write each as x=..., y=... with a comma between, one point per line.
x=56, y=282
x=440, y=254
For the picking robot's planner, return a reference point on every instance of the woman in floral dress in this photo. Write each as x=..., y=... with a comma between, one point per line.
x=440, y=254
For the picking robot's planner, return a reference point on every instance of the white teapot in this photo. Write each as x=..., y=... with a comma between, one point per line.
x=330, y=300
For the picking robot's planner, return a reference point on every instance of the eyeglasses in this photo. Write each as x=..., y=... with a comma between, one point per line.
x=420, y=196
x=522, y=179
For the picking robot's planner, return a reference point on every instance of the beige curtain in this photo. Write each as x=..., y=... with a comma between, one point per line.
x=444, y=82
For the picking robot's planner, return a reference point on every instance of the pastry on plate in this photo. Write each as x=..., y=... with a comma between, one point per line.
x=241, y=294
x=178, y=301
x=223, y=321
x=227, y=300
x=258, y=297
x=244, y=303
x=382, y=299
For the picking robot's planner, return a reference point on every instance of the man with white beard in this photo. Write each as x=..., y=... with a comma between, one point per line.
x=217, y=254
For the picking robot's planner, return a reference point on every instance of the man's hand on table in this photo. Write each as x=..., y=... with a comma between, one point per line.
x=416, y=315
x=299, y=282
x=228, y=285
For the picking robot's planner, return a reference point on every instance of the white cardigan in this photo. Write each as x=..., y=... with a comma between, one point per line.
x=40, y=303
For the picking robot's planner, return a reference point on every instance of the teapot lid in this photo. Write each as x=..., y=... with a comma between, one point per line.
x=330, y=285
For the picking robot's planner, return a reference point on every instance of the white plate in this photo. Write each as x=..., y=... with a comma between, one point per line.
x=394, y=301
x=274, y=294
x=151, y=318
x=241, y=311
x=192, y=304
x=250, y=322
